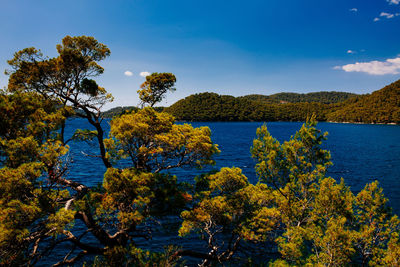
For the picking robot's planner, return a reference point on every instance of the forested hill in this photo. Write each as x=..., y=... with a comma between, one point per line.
x=214, y=107
x=319, y=97
x=382, y=106
x=117, y=111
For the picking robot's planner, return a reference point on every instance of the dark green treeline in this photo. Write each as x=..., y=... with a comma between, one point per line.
x=382, y=106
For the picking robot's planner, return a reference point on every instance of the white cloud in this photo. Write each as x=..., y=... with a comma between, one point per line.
x=355, y=9
x=394, y=2
x=128, y=73
x=389, y=66
x=144, y=73
x=376, y=19
x=386, y=15
x=351, y=52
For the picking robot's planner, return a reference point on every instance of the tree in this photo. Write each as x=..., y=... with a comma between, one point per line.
x=29, y=149
x=295, y=211
x=227, y=210
x=154, y=143
x=66, y=79
x=155, y=87
x=40, y=203
x=321, y=221
x=308, y=217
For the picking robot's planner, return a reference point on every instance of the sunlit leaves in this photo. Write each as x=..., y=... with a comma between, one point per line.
x=65, y=78
x=60, y=221
x=155, y=87
x=278, y=164
x=153, y=143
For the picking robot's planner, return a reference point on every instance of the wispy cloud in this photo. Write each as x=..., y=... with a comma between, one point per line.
x=394, y=2
x=144, y=73
x=351, y=52
x=389, y=66
x=128, y=73
x=355, y=9
x=387, y=15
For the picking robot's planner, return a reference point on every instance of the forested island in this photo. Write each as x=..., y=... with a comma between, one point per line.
x=382, y=106
x=296, y=213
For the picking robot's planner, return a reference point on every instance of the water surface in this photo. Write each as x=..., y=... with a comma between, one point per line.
x=360, y=153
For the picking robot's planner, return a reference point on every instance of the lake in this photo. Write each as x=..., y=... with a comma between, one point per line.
x=360, y=153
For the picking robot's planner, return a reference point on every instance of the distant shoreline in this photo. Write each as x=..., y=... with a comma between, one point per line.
x=372, y=123
x=342, y=122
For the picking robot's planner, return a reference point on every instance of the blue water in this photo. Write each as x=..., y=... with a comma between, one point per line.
x=360, y=153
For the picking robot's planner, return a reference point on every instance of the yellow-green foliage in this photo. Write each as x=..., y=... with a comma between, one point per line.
x=309, y=218
x=232, y=203
x=376, y=237
x=61, y=220
x=134, y=256
x=220, y=205
x=313, y=219
x=51, y=153
x=128, y=194
x=155, y=87
x=278, y=164
x=19, y=203
x=153, y=142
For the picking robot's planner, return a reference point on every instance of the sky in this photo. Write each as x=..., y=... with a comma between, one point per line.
x=227, y=47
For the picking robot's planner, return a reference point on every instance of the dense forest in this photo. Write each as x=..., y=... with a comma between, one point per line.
x=319, y=97
x=117, y=111
x=214, y=107
x=382, y=106
x=281, y=107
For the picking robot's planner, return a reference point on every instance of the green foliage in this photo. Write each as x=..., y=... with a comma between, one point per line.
x=84, y=135
x=319, y=97
x=382, y=106
x=230, y=208
x=155, y=87
x=309, y=218
x=295, y=159
x=118, y=111
x=214, y=107
x=153, y=142
x=312, y=219
x=29, y=151
x=137, y=257
x=65, y=76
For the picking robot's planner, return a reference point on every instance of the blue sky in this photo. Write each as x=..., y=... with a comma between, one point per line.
x=227, y=47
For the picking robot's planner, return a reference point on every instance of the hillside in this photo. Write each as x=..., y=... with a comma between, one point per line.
x=318, y=97
x=214, y=107
x=382, y=106
x=117, y=111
